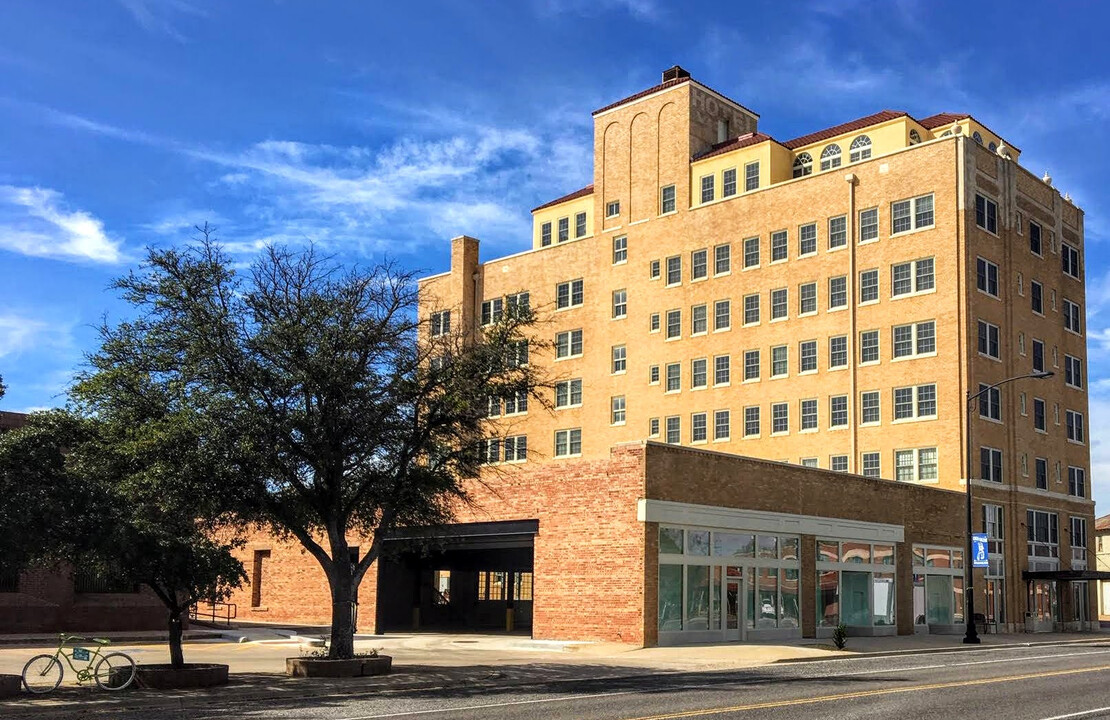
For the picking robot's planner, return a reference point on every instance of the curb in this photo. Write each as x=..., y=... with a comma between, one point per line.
x=851, y=655
x=52, y=641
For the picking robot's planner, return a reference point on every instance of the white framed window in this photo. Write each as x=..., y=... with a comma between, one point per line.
x=545, y=234
x=580, y=225
x=751, y=252
x=674, y=324
x=986, y=213
x=869, y=407
x=728, y=182
x=909, y=278
x=1077, y=483
x=868, y=286
x=1073, y=372
x=808, y=414
x=516, y=448
x=751, y=309
x=779, y=242
x=722, y=315
x=872, y=464
x=751, y=421
x=807, y=356
x=869, y=347
x=564, y=229
x=1069, y=260
x=780, y=418
x=655, y=271
x=707, y=188
x=667, y=199
x=616, y=410
x=911, y=214
x=569, y=294
x=1072, y=317
x=1074, y=422
x=803, y=165
x=441, y=323
x=1035, y=246
x=838, y=232
x=779, y=304
x=722, y=259
x=568, y=393
x=721, y=422
x=915, y=465
x=699, y=320
x=620, y=359
x=838, y=351
x=868, y=225
x=780, y=365
x=986, y=276
x=620, y=251
x=807, y=298
x=915, y=402
x=838, y=411
x=838, y=463
x=838, y=292
x=1043, y=533
x=613, y=209
x=990, y=464
x=653, y=427
x=568, y=443
x=722, y=370
x=653, y=322
x=674, y=270
x=516, y=403
x=699, y=374
x=699, y=430
x=914, y=339
x=674, y=377
x=699, y=264
x=860, y=149
x=489, y=451
x=751, y=365
x=807, y=239
x=830, y=157
x=653, y=375
x=988, y=340
x=568, y=344
x=990, y=402
x=809, y=462
x=492, y=311
x=751, y=176
x=620, y=304
x=674, y=430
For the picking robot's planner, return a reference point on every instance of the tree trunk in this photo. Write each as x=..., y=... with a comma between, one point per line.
x=342, y=644
x=177, y=656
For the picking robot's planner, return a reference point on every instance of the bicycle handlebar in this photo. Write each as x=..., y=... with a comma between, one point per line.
x=65, y=637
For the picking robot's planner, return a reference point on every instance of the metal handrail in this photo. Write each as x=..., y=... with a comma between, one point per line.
x=215, y=612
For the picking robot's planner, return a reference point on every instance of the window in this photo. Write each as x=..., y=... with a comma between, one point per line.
x=494, y=406
x=698, y=373
x=869, y=404
x=1077, y=484
x=441, y=323
x=780, y=418
x=1034, y=237
x=620, y=303
x=1069, y=260
x=721, y=425
x=568, y=393
x=751, y=364
x=779, y=362
x=838, y=351
x=751, y=252
x=912, y=277
x=674, y=377
x=545, y=234
x=751, y=309
x=616, y=410
x=990, y=402
x=1038, y=356
x=1043, y=533
x=1075, y=426
x=654, y=273
x=580, y=225
x=871, y=464
x=807, y=239
x=990, y=464
x=722, y=370
x=518, y=353
x=868, y=286
x=699, y=264
x=779, y=240
x=653, y=375
x=751, y=421
x=1036, y=297
x=568, y=442
x=915, y=339
x=986, y=276
x=988, y=340
x=751, y=176
x=620, y=252
x=915, y=137
x=518, y=304
x=913, y=214
x=707, y=188
x=838, y=463
x=698, y=430
x=728, y=183
x=807, y=356
x=564, y=229
x=860, y=149
x=809, y=462
x=674, y=324
x=653, y=427
x=653, y=323
x=778, y=304
x=674, y=430
x=986, y=214
x=568, y=294
x=1072, y=314
x=722, y=259
x=613, y=209
x=1073, y=372
x=838, y=232
x=838, y=411
x=809, y=415
x=807, y=294
x=516, y=448
x=1040, y=466
x=915, y=465
x=830, y=157
x=568, y=344
x=667, y=201
x=674, y=270
x=838, y=292
x=869, y=346
x=493, y=311
x=977, y=137
x=1038, y=414
x=803, y=165
x=619, y=358
x=699, y=321
x=915, y=402
x=869, y=225
x=722, y=315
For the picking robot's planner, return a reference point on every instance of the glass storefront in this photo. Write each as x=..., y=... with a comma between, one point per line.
x=855, y=584
x=938, y=585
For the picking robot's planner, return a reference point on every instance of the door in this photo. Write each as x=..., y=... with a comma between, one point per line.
x=734, y=605
x=1043, y=605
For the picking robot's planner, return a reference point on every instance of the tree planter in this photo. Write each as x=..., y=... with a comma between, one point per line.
x=327, y=667
x=10, y=685
x=193, y=675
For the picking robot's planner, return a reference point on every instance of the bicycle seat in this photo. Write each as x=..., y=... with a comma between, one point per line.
x=101, y=641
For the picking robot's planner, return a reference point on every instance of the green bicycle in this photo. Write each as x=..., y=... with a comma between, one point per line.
x=111, y=671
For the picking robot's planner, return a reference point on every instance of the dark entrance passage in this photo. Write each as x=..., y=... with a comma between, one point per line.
x=470, y=576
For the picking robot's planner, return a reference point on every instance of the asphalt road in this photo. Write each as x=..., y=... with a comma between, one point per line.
x=1041, y=683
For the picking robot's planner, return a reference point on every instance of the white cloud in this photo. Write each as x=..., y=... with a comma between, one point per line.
x=20, y=333
x=157, y=16
x=34, y=221
x=649, y=10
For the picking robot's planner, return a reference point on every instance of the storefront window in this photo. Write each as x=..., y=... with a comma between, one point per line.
x=790, y=548
x=768, y=546
x=855, y=598
x=854, y=552
x=726, y=544
x=883, y=555
x=715, y=595
x=938, y=585
x=697, y=597
x=790, y=613
x=767, y=595
x=918, y=596
x=828, y=551
x=670, y=597
x=938, y=557
x=697, y=542
x=883, y=606
x=670, y=541
x=828, y=598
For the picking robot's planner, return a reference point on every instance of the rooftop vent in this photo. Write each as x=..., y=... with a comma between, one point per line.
x=675, y=73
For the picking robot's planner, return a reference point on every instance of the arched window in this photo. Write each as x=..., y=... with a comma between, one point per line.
x=915, y=137
x=803, y=165
x=977, y=137
x=992, y=147
x=860, y=150
x=946, y=133
x=830, y=157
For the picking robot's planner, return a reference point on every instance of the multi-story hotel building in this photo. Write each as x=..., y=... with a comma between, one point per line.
x=826, y=301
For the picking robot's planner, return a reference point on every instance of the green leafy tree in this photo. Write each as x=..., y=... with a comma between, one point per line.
x=342, y=416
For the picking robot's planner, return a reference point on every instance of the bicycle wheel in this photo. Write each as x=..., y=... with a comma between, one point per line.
x=42, y=674
x=114, y=671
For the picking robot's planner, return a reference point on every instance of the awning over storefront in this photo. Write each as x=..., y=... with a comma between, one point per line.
x=1065, y=575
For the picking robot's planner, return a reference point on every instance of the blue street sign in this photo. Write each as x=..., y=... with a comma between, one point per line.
x=979, y=550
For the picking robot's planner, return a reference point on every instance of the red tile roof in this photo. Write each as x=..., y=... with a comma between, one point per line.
x=1102, y=523
x=935, y=121
x=588, y=190
x=844, y=128
x=734, y=144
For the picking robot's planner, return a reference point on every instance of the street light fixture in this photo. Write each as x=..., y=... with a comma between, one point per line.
x=972, y=635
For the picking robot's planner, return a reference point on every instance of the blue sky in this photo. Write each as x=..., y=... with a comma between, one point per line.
x=373, y=127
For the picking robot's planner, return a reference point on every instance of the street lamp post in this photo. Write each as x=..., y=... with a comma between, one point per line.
x=972, y=634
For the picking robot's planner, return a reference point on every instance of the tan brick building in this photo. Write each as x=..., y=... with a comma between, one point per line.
x=826, y=301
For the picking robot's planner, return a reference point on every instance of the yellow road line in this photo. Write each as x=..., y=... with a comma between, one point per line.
x=867, y=693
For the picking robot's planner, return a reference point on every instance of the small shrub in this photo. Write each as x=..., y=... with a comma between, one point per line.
x=840, y=636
